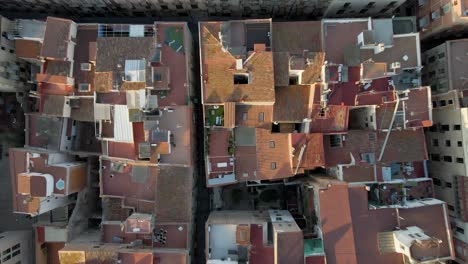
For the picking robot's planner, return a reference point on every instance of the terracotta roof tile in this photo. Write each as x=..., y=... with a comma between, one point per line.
x=274, y=155
x=25, y=48
x=293, y=103
x=251, y=115
x=56, y=37
x=103, y=81
x=218, y=69
x=313, y=155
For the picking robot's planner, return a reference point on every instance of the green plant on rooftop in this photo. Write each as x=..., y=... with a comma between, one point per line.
x=215, y=116
x=232, y=144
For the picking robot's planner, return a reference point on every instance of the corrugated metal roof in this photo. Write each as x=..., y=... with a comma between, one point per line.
x=102, y=112
x=135, y=70
x=123, y=129
x=136, y=99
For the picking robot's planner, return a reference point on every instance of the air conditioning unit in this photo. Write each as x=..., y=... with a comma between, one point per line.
x=85, y=66
x=84, y=87
x=395, y=65
x=379, y=48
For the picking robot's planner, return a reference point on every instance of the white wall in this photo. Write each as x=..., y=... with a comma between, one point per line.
x=16, y=246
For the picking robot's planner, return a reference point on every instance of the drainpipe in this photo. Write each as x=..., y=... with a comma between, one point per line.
x=390, y=128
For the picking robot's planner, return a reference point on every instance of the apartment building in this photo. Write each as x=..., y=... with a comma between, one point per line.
x=441, y=18
x=109, y=144
x=340, y=108
x=444, y=66
x=253, y=237
x=355, y=227
x=137, y=8
x=16, y=247
x=446, y=149
x=13, y=72
x=279, y=88
x=362, y=8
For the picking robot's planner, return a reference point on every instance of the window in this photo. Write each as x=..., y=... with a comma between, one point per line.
x=135, y=70
x=451, y=208
x=335, y=141
x=157, y=77
x=244, y=116
x=456, y=127
x=293, y=79
x=448, y=158
x=340, y=12
x=433, y=129
x=448, y=143
x=392, y=4
x=431, y=59
x=347, y=4
x=84, y=87
x=450, y=102
x=15, y=247
x=459, y=229
x=441, y=71
x=424, y=21
x=6, y=251
x=435, y=157
x=432, y=74
x=459, y=160
x=448, y=184
x=435, y=142
x=421, y=2
x=272, y=144
x=435, y=14
x=434, y=104
x=370, y=5
x=273, y=165
x=85, y=66
x=443, y=103
x=446, y=8
x=241, y=78
x=459, y=143
x=441, y=55
x=384, y=10
x=261, y=116
x=363, y=11
x=445, y=128
x=436, y=181
x=17, y=252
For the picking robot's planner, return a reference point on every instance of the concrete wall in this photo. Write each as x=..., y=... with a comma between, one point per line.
x=437, y=143
x=18, y=245
x=156, y=8
x=435, y=70
x=362, y=8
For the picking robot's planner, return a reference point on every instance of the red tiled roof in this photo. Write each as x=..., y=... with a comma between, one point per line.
x=274, y=155
x=25, y=48
x=337, y=225
x=334, y=119
x=293, y=103
x=313, y=155
x=418, y=107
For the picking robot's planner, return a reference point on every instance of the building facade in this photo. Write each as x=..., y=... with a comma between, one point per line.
x=441, y=18
x=446, y=142
x=16, y=247
x=362, y=8
x=13, y=72
x=444, y=66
